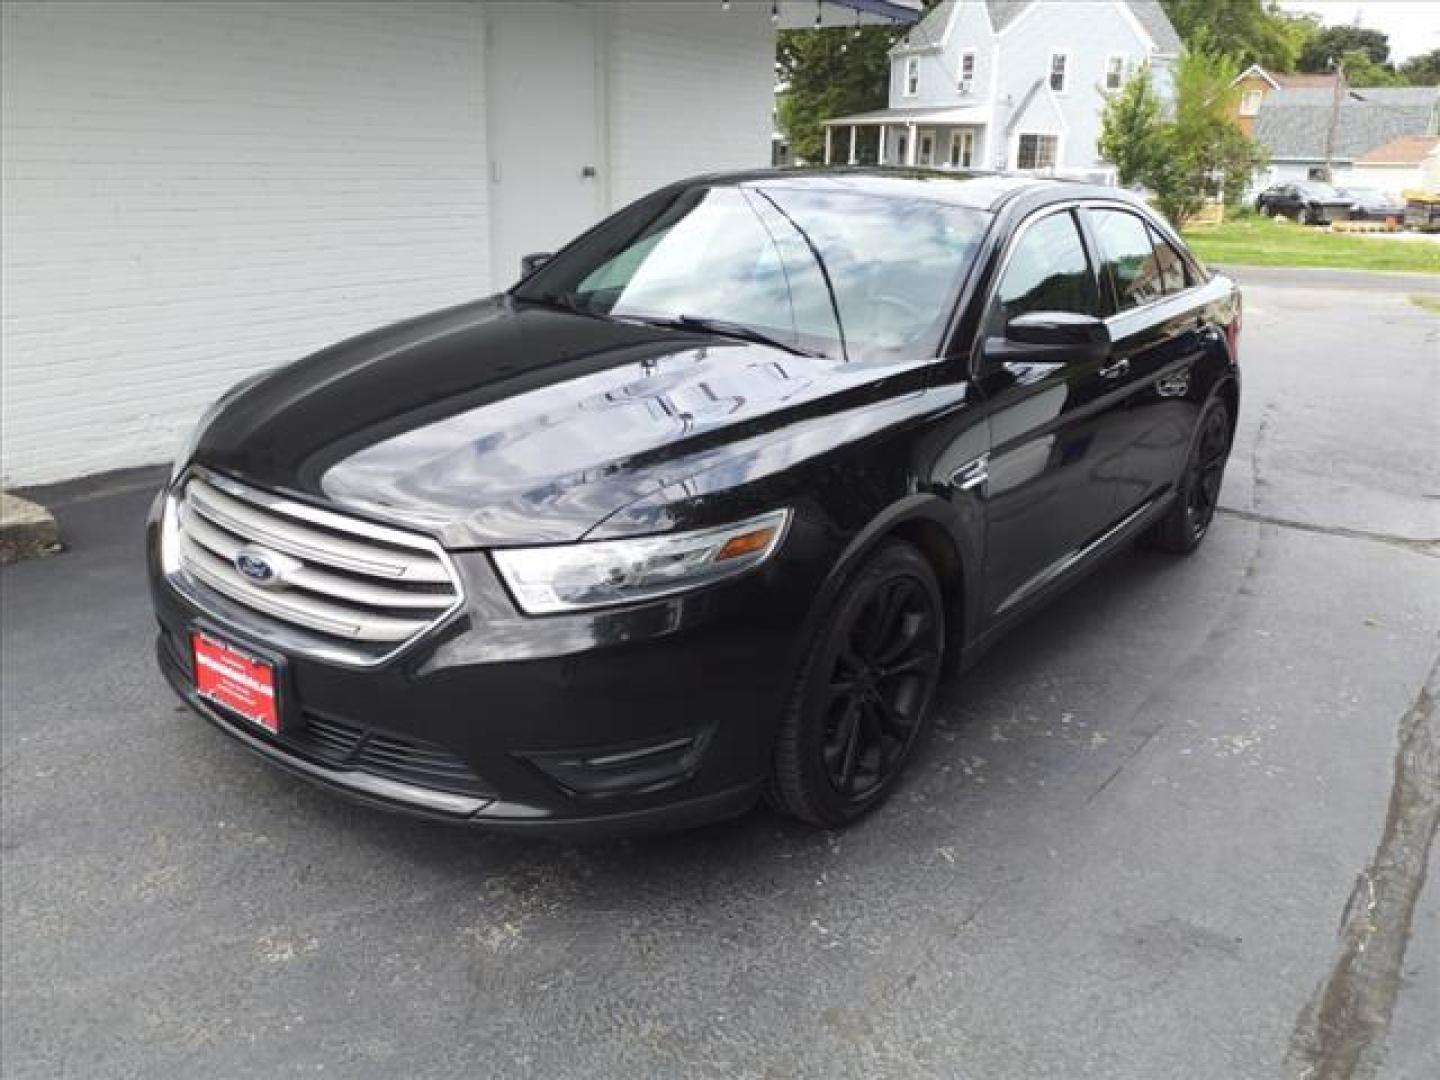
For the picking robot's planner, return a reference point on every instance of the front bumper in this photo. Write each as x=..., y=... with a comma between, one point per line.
x=655, y=717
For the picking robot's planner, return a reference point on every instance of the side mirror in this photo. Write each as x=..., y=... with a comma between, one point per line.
x=530, y=263
x=1041, y=336
x=1058, y=328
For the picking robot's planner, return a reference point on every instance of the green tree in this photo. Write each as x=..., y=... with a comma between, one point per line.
x=1361, y=70
x=1330, y=43
x=1251, y=31
x=1193, y=151
x=1422, y=70
x=1129, y=128
x=829, y=73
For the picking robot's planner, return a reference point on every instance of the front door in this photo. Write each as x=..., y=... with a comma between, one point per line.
x=927, y=148
x=544, y=100
x=1051, y=489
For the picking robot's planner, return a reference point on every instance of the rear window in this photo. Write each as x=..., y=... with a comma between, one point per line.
x=1173, y=271
x=1128, y=257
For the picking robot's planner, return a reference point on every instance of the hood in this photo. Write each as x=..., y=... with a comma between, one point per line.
x=503, y=423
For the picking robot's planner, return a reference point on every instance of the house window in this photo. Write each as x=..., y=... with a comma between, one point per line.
x=962, y=149
x=912, y=76
x=1114, y=73
x=1250, y=102
x=967, y=71
x=1059, y=64
x=927, y=148
x=1036, y=151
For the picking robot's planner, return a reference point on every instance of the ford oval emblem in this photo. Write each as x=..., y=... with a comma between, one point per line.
x=256, y=565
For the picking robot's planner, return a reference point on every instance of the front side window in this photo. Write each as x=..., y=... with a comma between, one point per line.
x=1128, y=257
x=1059, y=63
x=1047, y=271
x=1036, y=151
x=912, y=76
x=779, y=260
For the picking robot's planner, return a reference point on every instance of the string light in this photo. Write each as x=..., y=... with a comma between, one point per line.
x=724, y=5
x=774, y=11
x=817, y=14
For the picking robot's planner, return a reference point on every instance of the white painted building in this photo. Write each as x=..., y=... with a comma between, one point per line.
x=196, y=191
x=1011, y=84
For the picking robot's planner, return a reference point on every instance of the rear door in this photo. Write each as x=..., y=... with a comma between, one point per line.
x=1156, y=331
x=1050, y=488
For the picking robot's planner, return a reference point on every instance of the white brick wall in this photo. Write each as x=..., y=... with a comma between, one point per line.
x=196, y=191
x=691, y=91
x=193, y=192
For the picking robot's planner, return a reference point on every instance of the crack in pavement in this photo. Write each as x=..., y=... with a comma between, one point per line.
x=1429, y=547
x=1341, y=1032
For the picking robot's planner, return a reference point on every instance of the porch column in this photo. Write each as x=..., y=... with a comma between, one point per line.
x=828, y=131
x=909, y=144
x=884, y=131
x=854, y=128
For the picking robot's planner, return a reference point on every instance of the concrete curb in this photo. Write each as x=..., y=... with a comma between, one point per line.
x=27, y=530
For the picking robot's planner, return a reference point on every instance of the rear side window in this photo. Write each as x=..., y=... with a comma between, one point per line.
x=1173, y=270
x=1128, y=258
x=1047, y=271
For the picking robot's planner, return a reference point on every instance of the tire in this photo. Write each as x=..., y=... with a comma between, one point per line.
x=1266, y=210
x=863, y=698
x=1187, y=522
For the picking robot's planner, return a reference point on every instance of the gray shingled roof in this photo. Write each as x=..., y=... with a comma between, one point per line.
x=929, y=30
x=1292, y=124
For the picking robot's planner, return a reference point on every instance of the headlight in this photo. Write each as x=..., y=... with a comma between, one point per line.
x=604, y=573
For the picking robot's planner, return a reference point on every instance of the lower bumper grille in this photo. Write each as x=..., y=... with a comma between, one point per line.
x=412, y=761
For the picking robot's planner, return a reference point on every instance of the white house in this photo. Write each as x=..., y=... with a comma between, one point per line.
x=1010, y=84
x=196, y=191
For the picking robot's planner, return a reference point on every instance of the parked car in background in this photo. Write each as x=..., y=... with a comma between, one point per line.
x=1311, y=203
x=699, y=510
x=1372, y=204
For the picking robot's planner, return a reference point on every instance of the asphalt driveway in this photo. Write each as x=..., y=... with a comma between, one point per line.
x=1126, y=853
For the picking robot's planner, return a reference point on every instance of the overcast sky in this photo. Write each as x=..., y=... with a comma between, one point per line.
x=1413, y=25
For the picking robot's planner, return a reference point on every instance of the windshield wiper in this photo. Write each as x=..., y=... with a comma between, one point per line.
x=724, y=328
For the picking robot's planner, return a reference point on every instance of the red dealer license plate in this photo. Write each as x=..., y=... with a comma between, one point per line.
x=236, y=680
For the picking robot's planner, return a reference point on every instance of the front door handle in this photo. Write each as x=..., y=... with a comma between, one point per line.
x=1118, y=368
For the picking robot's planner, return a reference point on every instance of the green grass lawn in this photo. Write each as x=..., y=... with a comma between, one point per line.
x=1259, y=241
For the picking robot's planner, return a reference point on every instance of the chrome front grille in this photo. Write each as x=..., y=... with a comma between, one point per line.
x=349, y=582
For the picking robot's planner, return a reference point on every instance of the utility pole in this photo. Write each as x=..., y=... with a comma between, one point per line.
x=1334, y=119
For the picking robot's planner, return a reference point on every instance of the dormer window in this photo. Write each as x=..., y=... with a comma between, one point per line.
x=912, y=76
x=967, y=72
x=1250, y=102
x=1059, y=69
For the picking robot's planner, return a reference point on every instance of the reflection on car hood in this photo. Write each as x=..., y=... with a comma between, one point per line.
x=504, y=423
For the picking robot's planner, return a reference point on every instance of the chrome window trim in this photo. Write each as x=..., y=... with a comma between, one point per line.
x=1071, y=205
x=270, y=630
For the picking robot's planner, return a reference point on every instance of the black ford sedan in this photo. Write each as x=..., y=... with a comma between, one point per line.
x=701, y=510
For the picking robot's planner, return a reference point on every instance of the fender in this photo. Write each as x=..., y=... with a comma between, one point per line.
x=920, y=507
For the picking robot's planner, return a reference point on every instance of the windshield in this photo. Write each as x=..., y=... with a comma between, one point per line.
x=847, y=275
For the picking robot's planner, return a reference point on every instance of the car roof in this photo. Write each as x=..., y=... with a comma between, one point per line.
x=973, y=189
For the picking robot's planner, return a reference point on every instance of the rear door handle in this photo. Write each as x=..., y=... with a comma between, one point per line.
x=1118, y=368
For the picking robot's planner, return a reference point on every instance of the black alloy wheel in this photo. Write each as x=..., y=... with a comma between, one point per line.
x=1206, y=470
x=864, y=696
x=1181, y=530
